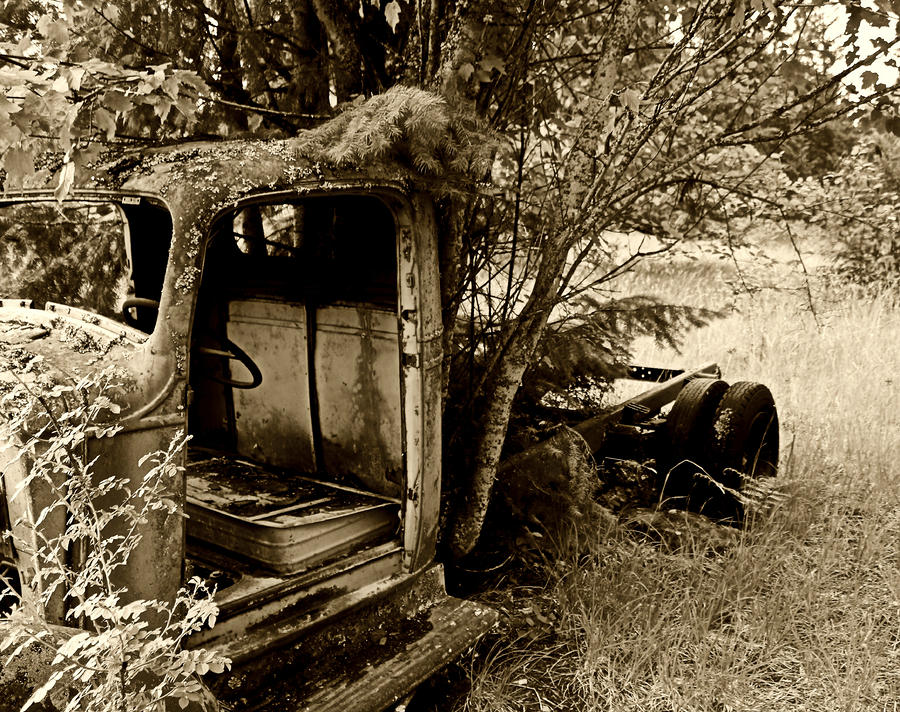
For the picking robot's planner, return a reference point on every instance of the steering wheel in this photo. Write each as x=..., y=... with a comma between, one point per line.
x=135, y=303
x=233, y=352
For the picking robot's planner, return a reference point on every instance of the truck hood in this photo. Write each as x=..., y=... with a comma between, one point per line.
x=62, y=345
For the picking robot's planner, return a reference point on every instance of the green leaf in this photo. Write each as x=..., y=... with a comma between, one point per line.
x=740, y=10
x=60, y=84
x=117, y=101
x=66, y=179
x=868, y=79
x=632, y=100
x=19, y=164
x=254, y=121
x=18, y=77
x=186, y=107
x=54, y=30
x=492, y=62
x=162, y=105
x=75, y=76
x=10, y=135
x=105, y=121
x=392, y=14
x=172, y=87
x=8, y=107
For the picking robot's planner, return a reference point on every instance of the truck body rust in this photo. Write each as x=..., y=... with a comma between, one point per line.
x=286, y=316
x=285, y=312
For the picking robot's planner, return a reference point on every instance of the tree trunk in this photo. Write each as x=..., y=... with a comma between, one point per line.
x=336, y=17
x=231, y=83
x=582, y=186
x=450, y=240
x=310, y=71
x=499, y=392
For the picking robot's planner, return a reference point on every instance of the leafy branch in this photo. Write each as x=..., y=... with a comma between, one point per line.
x=129, y=655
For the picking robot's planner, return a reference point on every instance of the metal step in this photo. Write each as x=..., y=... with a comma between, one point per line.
x=455, y=625
x=256, y=602
x=298, y=618
x=359, y=650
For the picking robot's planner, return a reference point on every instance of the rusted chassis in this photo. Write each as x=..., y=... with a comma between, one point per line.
x=630, y=427
x=714, y=439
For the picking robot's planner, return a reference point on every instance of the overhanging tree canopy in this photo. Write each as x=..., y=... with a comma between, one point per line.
x=658, y=116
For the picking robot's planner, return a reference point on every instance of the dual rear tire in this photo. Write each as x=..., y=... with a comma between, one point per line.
x=716, y=437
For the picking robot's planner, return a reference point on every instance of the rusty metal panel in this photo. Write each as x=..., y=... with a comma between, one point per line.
x=154, y=566
x=26, y=504
x=286, y=521
x=259, y=600
x=371, y=681
x=289, y=544
x=421, y=343
x=7, y=550
x=273, y=420
x=357, y=367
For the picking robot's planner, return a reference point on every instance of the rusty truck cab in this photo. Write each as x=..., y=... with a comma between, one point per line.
x=294, y=335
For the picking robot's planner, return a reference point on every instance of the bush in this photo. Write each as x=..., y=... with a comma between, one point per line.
x=856, y=209
x=124, y=654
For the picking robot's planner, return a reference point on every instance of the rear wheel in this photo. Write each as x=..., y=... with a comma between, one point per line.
x=686, y=449
x=745, y=442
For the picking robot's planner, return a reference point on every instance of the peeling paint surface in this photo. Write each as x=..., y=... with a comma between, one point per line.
x=358, y=382
x=273, y=421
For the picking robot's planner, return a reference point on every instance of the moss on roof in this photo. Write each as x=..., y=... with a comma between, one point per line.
x=404, y=135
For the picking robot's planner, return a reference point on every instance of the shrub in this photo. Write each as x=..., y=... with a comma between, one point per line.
x=856, y=209
x=127, y=655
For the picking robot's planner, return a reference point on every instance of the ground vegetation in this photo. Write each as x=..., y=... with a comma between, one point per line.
x=125, y=653
x=659, y=609
x=616, y=131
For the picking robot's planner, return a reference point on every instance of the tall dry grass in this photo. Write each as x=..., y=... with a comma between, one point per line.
x=802, y=610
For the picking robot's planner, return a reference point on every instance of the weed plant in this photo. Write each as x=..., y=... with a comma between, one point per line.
x=115, y=653
x=801, y=609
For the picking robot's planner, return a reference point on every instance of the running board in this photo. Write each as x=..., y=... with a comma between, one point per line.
x=455, y=625
x=356, y=652
x=299, y=616
x=255, y=607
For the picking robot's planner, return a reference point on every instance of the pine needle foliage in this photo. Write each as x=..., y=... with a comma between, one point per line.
x=594, y=344
x=406, y=125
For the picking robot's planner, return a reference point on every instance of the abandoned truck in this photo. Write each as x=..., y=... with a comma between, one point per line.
x=287, y=317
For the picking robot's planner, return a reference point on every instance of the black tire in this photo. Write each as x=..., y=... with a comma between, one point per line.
x=746, y=430
x=686, y=446
x=745, y=441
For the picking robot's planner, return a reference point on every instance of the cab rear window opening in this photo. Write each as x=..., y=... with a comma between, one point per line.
x=322, y=250
x=95, y=255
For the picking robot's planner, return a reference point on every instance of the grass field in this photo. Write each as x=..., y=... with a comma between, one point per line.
x=799, y=611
